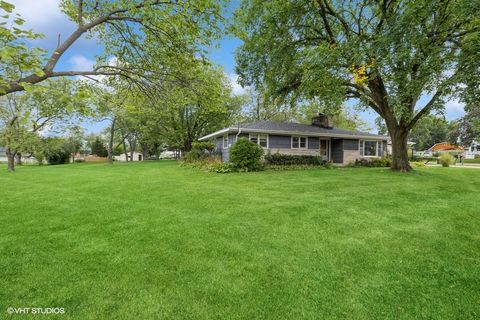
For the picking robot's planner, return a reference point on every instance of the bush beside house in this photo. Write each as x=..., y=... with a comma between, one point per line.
x=373, y=163
x=296, y=160
x=246, y=156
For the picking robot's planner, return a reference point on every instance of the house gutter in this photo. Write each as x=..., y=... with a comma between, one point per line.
x=281, y=132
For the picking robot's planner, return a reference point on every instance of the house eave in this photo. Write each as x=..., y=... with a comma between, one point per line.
x=285, y=132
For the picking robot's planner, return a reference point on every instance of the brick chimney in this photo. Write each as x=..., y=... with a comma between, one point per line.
x=322, y=120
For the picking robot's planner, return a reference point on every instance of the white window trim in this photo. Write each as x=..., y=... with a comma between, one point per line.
x=376, y=148
x=258, y=138
x=306, y=142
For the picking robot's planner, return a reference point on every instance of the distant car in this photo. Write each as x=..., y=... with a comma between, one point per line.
x=152, y=158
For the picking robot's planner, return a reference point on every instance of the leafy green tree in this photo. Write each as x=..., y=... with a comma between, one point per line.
x=97, y=147
x=386, y=54
x=429, y=130
x=75, y=140
x=56, y=150
x=466, y=129
x=202, y=105
x=140, y=34
x=23, y=115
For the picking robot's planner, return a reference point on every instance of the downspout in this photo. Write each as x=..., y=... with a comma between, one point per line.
x=239, y=131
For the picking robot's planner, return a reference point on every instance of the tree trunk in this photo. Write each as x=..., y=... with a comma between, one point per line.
x=110, y=142
x=144, y=152
x=11, y=160
x=400, y=161
x=125, y=150
x=18, y=159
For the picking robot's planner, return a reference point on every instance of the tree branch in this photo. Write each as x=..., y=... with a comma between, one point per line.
x=425, y=110
x=15, y=86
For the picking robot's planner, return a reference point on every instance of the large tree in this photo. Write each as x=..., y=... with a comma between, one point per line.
x=24, y=115
x=202, y=104
x=387, y=54
x=466, y=129
x=127, y=29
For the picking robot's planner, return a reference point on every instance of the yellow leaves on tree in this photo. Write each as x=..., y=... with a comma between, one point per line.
x=360, y=73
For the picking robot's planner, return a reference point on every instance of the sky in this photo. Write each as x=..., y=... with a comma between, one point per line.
x=44, y=16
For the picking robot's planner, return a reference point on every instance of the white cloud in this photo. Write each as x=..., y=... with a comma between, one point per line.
x=42, y=15
x=454, y=109
x=45, y=16
x=81, y=63
x=455, y=106
x=237, y=89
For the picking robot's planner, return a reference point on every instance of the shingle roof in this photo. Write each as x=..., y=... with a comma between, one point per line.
x=445, y=146
x=299, y=128
x=291, y=128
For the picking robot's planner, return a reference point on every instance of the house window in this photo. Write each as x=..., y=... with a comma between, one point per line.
x=225, y=142
x=260, y=139
x=299, y=142
x=369, y=148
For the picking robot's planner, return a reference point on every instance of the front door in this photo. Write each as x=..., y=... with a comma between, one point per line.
x=324, y=149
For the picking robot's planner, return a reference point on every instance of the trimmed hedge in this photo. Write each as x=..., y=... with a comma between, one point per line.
x=293, y=160
x=375, y=162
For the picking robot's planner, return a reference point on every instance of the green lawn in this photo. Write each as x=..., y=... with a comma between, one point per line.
x=472, y=160
x=158, y=241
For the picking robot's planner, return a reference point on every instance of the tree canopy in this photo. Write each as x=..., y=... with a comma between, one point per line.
x=385, y=54
x=135, y=34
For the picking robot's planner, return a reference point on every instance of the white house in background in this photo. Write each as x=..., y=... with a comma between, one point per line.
x=3, y=155
x=473, y=150
x=137, y=156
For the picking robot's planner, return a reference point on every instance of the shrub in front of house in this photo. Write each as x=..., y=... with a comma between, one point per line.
x=203, y=146
x=246, y=156
x=278, y=159
x=372, y=163
x=195, y=155
x=446, y=159
x=201, y=150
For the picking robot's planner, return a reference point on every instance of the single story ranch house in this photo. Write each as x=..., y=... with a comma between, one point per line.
x=320, y=139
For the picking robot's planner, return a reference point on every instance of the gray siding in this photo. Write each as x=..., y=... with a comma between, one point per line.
x=231, y=139
x=337, y=150
x=219, y=144
x=225, y=155
x=278, y=142
x=314, y=143
x=350, y=144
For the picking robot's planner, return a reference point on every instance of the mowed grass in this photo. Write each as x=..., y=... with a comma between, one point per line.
x=158, y=241
x=477, y=160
